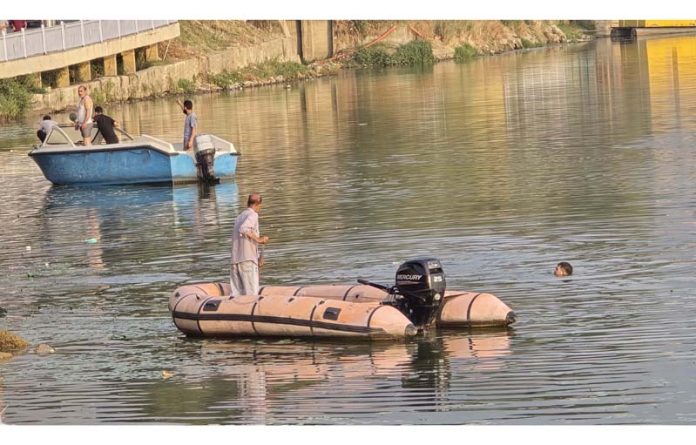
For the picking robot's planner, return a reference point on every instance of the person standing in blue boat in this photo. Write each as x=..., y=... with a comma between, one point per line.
x=246, y=257
x=85, y=109
x=106, y=125
x=190, y=124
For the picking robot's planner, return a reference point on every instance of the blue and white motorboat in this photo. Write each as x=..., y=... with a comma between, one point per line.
x=143, y=159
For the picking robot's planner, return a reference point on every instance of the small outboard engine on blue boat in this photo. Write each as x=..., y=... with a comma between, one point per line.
x=205, y=159
x=418, y=291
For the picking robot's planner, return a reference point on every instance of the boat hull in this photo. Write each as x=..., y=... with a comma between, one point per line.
x=459, y=308
x=125, y=165
x=206, y=309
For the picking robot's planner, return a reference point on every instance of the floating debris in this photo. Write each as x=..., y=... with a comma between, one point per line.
x=44, y=349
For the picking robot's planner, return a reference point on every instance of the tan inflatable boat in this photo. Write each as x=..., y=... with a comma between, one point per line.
x=417, y=301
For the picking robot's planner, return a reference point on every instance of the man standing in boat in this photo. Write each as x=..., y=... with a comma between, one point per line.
x=246, y=258
x=190, y=123
x=85, y=109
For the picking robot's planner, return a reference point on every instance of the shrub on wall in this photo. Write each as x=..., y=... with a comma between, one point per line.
x=15, y=97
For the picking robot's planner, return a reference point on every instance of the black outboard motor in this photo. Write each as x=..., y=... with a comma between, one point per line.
x=205, y=159
x=419, y=290
x=421, y=284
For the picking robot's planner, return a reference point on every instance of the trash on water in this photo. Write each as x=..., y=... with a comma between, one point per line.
x=91, y=241
x=44, y=349
x=28, y=248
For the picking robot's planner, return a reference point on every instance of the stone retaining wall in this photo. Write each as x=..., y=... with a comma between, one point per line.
x=163, y=79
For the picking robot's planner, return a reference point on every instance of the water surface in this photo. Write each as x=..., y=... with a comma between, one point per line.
x=500, y=168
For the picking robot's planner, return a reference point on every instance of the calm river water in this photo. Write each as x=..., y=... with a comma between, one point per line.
x=501, y=168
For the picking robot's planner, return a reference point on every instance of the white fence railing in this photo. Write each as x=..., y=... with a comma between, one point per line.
x=32, y=42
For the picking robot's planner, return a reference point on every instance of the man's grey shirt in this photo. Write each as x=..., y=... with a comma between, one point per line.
x=243, y=248
x=47, y=124
x=190, y=123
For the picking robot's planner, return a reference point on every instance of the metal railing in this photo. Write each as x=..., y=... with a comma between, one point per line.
x=44, y=40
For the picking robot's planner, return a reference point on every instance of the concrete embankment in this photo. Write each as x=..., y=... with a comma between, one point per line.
x=165, y=79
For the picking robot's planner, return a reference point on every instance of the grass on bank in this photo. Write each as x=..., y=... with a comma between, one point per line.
x=464, y=53
x=15, y=96
x=417, y=52
x=572, y=33
x=273, y=68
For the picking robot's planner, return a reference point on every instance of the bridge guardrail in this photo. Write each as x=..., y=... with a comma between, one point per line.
x=44, y=40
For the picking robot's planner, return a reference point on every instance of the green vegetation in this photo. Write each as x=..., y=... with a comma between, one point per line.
x=464, y=53
x=531, y=44
x=15, y=96
x=97, y=68
x=272, y=68
x=226, y=79
x=417, y=52
x=573, y=34
x=375, y=56
x=186, y=86
x=50, y=78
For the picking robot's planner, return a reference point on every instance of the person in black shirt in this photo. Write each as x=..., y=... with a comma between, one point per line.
x=106, y=125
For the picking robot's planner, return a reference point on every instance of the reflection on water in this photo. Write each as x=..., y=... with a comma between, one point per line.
x=250, y=382
x=500, y=167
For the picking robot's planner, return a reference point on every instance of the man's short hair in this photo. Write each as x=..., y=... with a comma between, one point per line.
x=188, y=104
x=566, y=267
x=98, y=109
x=47, y=117
x=254, y=198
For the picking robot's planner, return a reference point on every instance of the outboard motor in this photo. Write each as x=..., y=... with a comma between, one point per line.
x=419, y=290
x=205, y=158
x=421, y=284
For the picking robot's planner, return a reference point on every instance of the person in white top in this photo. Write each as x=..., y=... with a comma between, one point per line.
x=246, y=258
x=85, y=110
x=45, y=127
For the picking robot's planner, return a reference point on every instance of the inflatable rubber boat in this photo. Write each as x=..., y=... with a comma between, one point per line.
x=417, y=302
